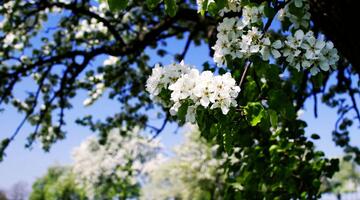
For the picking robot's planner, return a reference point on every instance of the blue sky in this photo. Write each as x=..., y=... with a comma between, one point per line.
x=22, y=164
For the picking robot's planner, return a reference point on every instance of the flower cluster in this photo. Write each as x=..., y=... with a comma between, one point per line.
x=307, y=52
x=120, y=159
x=232, y=6
x=97, y=92
x=187, y=84
x=239, y=37
x=49, y=135
x=297, y=12
x=98, y=81
x=91, y=26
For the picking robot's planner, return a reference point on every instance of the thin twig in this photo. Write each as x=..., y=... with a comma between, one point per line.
x=315, y=104
x=247, y=65
x=186, y=48
x=352, y=96
x=159, y=130
x=31, y=111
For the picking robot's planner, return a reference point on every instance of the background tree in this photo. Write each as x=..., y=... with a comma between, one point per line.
x=3, y=195
x=344, y=181
x=57, y=183
x=112, y=169
x=19, y=191
x=194, y=171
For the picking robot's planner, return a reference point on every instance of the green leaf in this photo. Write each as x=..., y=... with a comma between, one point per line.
x=221, y=4
x=212, y=8
x=273, y=148
x=152, y=3
x=4, y=143
x=116, y=5
x=273, y=118
x=213, y=131
x=181, y=114
x=254, y=113
x=204, y=7
x=171, y=7
x=315, y=136
x=268, y=11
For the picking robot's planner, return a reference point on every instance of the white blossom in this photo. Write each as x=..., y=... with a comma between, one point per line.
x=201, y=4
x=269, y=48
x=304, y=51
x=240, y=38
x=232, y=6
x=187, y=84
x=120, y=158
x=162, y=77
x=90, y=27
x=236, y=38
x=97, y=91
x=300, y=19
x=111, y=60
x=252, y=14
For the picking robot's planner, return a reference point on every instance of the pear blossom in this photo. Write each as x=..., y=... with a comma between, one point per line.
x=300, y=19
x=240, y=38
x=270, y=49
x=184, y=86
x=252, y=14
x=90, y=27
x=111, y=60
x=187, y=84
x=162, y=77
x=236, y=39
x=9, y=39
x=304, y=51
x=97, y=91
x=232, y=6
x=191, y=114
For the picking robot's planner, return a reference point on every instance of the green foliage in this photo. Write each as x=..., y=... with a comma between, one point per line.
x=347, y=179
x=254, y=112
x=58, y=183
x=115, y=5
x=273, y=118
x=171, y=7
x=4, y=143
x=152, y=3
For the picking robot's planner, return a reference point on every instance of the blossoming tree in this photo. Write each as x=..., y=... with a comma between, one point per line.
x=268, y=59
